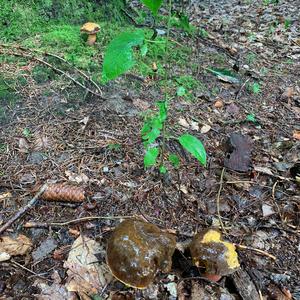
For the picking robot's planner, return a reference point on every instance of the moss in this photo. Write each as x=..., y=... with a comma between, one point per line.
x=42, y=74
x=24, y=18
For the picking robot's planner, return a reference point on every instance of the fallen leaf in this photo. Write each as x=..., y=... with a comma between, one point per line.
x=267, y=210
x=9, y=246
x=264, y=170
x=205, y=128
x=184, y=123
x=77, y=178
x=41, y=143
x=86, y=275
x=45, y=248
x=23, y=145
x=238, y=153
x=194, y=125
x=55, y=291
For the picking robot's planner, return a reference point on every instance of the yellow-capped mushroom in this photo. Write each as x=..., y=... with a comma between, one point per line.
x=137, y=250
x=211, y=253
x=91, y=29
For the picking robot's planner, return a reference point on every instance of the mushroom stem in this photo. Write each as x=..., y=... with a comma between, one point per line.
x=91, y=39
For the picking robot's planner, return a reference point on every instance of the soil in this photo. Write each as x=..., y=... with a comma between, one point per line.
x=75, y=136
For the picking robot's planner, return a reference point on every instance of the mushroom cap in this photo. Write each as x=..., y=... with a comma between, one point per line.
x=213, y=254
x=137, y=250
x=90, y=28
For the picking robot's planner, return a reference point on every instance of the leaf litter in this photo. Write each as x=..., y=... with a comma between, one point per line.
x=262, y=204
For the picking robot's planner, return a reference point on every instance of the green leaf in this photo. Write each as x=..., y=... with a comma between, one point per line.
x=153, y=5
x=26, y=132
x=163, y=170
x=146, y=128
x=156, y=122
x=180, y=91
x=162, y=110
x=225, y=75
x=118, y=57
x=150, y=157
x=144, y=50
x=251, y=118
x=255, y=88
x=151, y=136
x=174, y=159
x=194, y=146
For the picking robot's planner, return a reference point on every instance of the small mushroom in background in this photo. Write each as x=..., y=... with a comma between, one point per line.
x=91, y=29
x=218, y=258
x=137, y=250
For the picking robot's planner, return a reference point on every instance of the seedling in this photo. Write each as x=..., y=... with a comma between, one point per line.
x=255, y=88
x=119, y=58
x=26, y=132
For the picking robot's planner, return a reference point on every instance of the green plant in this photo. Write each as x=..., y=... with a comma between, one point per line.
x=118, y=59
x=287, y=23
x=254, y=88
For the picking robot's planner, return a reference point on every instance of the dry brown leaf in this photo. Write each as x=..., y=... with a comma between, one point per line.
x=41, y=143
x=14, y=246
x=23, y=145
x=86, y=275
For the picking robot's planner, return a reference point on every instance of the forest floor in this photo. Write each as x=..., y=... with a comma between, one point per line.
x=53, y=130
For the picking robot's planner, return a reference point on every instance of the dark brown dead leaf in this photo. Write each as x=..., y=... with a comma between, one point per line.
x=238, y=153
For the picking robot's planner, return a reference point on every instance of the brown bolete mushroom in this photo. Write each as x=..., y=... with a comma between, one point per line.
x=137, y=250
x=91, y=29
x=216, y=256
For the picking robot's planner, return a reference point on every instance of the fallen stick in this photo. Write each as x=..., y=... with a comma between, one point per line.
x=54, y=68
x=74, y=221
x=57, y=57
x=256, y=250
x=24, y=209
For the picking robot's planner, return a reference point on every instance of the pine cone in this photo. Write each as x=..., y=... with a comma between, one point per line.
x=63, y=192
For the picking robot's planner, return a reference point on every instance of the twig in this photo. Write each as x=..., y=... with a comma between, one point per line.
x=274, y=201
x=54, y=68
x=241, y=88
x=60, y=224
x=24, y=209
x=57, y=57
x=256, y=250
x=16, y=264
x=218, y=200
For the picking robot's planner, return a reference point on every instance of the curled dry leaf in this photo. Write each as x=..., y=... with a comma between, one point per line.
x=23, y=145
x=14, y=246
x=86, y=275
